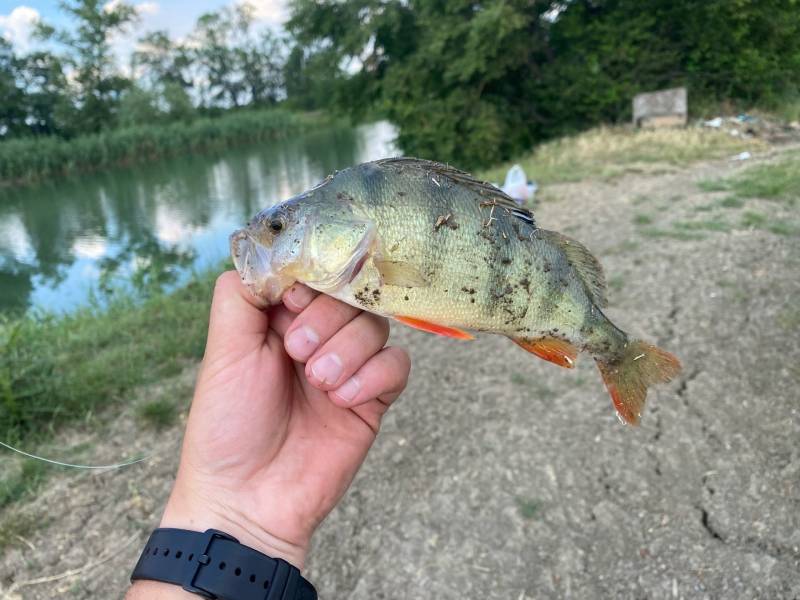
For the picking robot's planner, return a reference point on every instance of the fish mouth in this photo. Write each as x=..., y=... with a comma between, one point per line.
x=253, y=261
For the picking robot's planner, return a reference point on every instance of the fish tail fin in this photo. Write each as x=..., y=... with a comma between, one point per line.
x=628, y=378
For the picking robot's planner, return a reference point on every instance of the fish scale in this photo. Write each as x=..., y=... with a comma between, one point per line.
x=439, y=250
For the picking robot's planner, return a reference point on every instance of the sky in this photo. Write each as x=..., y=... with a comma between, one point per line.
x=177, y=17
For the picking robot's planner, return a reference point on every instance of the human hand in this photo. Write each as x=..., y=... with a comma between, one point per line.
x=288, y=402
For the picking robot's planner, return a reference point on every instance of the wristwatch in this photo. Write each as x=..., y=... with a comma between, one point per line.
x=215, y=565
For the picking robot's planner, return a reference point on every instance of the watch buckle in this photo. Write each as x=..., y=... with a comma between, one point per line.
x=202, y=559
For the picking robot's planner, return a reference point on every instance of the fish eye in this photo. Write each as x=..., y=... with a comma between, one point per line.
x=276, y=225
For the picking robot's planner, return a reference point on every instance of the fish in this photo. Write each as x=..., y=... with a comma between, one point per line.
x=438, y=250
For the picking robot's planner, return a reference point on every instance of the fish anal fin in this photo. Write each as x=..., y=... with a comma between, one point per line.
x=434, y=328
x=400, y=274
x=552, y=350
x=585, y=264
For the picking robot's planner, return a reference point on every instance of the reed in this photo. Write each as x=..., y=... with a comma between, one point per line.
x=27, y=160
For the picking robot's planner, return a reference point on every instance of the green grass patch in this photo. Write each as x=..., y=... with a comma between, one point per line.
x=789, y=318
x=518, y=379
x=23, y=483
x=608, y=152
x=779, y=181
x=158, y=414
x=26, y=160
x=706, y=225
x=675, y=234
x=624, y=247
x=731, y=202
x=54, y=370
x=782, y=228
x=14, y=528
x=528, y=508
x=616, y=283
x=642, y=219
x=753, y=219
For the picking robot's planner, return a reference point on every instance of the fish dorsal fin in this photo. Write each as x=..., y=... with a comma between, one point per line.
x=585, y=264
x=488, y=192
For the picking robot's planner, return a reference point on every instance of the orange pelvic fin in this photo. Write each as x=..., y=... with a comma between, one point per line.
x=553, y=350
x=434, y=328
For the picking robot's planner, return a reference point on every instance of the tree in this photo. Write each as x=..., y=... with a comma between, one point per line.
x=456, y=76
x=88, y=52
x=239, y=63
x=12, y=96
x=162, y=60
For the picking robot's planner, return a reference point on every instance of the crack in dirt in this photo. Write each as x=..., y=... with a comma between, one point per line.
x=704, y=520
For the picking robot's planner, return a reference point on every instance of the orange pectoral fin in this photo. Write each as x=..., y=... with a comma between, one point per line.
x=434, y=328
x=553, y=350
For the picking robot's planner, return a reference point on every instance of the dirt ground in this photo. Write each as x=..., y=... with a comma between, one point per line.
x=499, y=476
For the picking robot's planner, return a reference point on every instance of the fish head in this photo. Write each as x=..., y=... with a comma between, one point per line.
x=306, y=239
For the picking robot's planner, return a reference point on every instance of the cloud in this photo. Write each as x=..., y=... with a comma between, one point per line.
x=272, y=12
x=143, y=9
x=17, y=26
x=147, y=8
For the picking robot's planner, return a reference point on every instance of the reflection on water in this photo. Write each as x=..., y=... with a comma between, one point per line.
x=63, y=242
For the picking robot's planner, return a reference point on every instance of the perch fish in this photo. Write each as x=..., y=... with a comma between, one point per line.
x=438, y=250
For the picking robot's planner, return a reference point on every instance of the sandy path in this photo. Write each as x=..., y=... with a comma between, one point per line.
x=501, y=476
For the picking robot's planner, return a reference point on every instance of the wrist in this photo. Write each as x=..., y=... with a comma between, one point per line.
x=191, y=515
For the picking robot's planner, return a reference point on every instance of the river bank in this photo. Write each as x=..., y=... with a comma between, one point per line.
x=28, y=160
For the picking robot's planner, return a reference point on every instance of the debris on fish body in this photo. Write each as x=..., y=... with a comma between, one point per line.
x=436, y=249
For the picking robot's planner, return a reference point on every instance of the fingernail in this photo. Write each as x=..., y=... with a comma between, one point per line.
x=299, y=297
x=302, y=342
x=349, y=389
x=327, y=368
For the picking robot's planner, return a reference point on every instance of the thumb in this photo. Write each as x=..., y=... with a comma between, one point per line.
x=238, y=320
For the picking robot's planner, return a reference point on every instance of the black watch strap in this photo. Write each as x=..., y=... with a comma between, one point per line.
x=213, y=565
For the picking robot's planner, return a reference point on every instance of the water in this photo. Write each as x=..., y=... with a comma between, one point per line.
x=65, y=243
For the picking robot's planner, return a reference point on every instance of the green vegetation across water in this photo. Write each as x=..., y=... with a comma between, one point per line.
x=33, y=158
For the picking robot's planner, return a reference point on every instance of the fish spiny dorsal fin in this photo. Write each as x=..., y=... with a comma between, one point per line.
x=585, y=264
x=489, y=193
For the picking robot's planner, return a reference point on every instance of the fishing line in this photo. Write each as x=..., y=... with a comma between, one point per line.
x=72, y=466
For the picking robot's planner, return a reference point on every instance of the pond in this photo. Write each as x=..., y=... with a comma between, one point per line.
x=69, y=242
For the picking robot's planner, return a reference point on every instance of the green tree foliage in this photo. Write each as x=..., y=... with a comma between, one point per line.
x=87, y=50
x=240, y=65
x=473, y=83
x=605, y=52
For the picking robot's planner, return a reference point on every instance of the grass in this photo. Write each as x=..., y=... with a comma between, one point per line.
x=731, y=202
x=642, y=219
x=779, y=181
x=15, y=527
x=58, y=369
x=158, y=414
x=31, y=159
x=616, y=283
x=707, y=225
x=528, y=508
x=753, y=219
x=611, y=151
x=518, y=379
x=675, y=234
x=22, y=484
x=789, y=318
